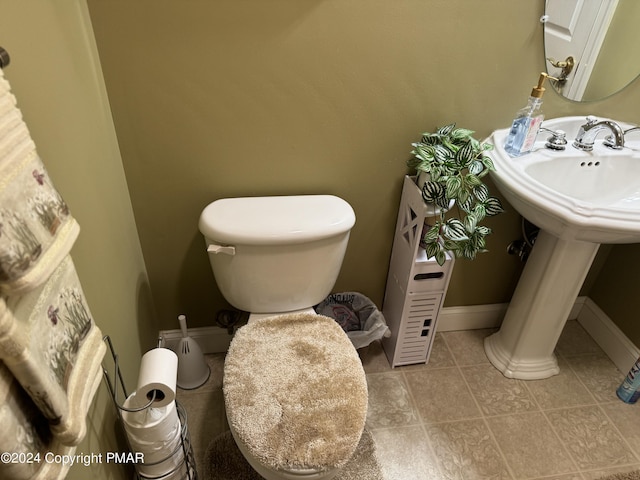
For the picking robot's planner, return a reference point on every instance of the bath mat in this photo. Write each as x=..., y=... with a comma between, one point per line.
x=223, y=461
x=635, y=475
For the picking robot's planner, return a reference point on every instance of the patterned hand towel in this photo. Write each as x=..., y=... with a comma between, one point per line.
x=36, y=229
x=54, y=349
x=26, y=436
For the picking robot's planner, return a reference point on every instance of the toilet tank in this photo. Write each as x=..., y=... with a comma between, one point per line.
x=276, y=254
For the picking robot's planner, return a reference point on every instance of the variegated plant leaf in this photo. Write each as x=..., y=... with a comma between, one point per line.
x=476, y=167
x=427, y=152
x=432, y=191
x=472, y=180
x=479, y=211
x=454, y=230
x=493, y=206
x=462, y=134
x=465, y=155
x=441, y=153
x=488, y=163
x=454, y=185
x=432, y=249
x=481, y=192
x=432, y=234
x=447, y=129
x=466, y=205
x=470, y=223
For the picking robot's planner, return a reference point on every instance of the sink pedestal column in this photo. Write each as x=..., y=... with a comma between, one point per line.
x=547, y=290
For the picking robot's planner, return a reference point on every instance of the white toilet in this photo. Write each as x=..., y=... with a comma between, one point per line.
x=294, y=388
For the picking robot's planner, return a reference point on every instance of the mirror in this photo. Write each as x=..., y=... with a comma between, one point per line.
x=593, y=46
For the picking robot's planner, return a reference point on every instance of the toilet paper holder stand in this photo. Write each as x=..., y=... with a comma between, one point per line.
x=112, y=382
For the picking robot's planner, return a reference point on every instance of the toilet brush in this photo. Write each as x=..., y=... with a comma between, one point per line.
x=193, y=370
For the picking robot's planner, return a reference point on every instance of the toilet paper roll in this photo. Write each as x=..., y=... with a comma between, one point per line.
x=156, y=433
x=158, y=373
x=162, y=458
x=150, y=424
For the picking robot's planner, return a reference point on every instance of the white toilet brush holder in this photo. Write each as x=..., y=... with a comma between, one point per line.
x=193, y=370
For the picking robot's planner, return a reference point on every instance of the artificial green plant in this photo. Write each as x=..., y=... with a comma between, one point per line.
x=456, y=163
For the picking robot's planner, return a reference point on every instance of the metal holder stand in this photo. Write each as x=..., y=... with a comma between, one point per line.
x=188, y=465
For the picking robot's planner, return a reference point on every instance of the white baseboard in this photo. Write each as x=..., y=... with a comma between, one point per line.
x=210, y=339
x=471, y=317
x=577, y=308
x=622, y=352
x=607, y=335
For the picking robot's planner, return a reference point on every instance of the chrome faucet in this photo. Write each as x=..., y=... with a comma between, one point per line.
x=609, y=140
x=587, y=134
x=557, y=141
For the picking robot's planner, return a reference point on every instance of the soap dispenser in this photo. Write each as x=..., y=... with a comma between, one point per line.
x=525, y=126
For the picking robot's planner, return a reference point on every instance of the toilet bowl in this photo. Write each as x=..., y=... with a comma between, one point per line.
x=294, y=388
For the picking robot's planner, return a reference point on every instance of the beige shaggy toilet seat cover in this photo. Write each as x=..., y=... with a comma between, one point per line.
x=295, y=391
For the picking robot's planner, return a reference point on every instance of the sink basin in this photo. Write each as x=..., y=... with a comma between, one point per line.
x=579, y=200
x=602, y=182
x=574, y=195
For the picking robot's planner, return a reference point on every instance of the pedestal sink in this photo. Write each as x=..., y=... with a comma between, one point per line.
x=579, y=200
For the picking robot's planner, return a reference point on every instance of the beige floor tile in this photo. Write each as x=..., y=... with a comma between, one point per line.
x=591, y=439
x=627, y=419
x=389, y=402
x=575, y=340
x=440, y=355
x=466, y=451
x=373, y=358
x=206, y=418
x=404, y=454
x=496, y=394
x=598, y=374
x=598, y=474
x=530, y=445
x=467, y=346
x=441, y=395
x=562, y=390
x=569, y=476
x=424, y=414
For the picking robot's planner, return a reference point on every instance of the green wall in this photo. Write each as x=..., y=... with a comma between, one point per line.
x=615, y=290
x=226, y=98
x=229, y=98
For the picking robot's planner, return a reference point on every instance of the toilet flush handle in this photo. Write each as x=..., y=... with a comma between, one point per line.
x=213, y=248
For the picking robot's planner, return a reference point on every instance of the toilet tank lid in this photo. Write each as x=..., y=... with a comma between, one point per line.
x=276, y=220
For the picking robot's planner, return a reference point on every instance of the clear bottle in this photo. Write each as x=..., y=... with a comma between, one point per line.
x=525, y=126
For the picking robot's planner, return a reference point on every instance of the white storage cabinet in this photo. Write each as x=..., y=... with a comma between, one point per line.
x=416, y=286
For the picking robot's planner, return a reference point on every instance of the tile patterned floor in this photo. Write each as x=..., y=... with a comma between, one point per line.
x=459, y=418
